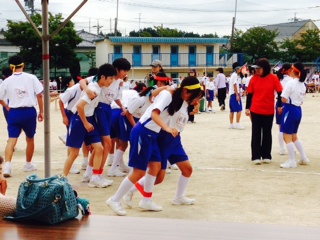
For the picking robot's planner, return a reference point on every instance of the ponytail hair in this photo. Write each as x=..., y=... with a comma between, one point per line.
x=298, y=69
x=283, y=70
x=193, y=86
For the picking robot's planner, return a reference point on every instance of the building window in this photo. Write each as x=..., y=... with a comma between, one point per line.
x=209, y=49
x=155, y=49
x=117, y=49
x=192, y=49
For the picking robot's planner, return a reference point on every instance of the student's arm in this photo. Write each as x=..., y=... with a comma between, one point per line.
x=4, y=104
x=155, y=115
x=235, y=87
x=130, y=118
x=84, y=87
x=119, y=103
x=65, y=119
x=40, y=103
x=80, y=108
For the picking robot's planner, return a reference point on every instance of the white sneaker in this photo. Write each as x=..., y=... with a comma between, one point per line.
x=149, y=206
x=110, y=160
x=96, y=183
x=106, y=182
x=304, y=161
x=84, y=164
x=168, y=171
x=115, y=173
x=74, y=169
x=289, y=164
x=29, y=167
x=63, y=138
x=183, y=201
x=174, y=167
x=256, y=162
x=124, y=168
x=282, y=152
x=116, y=207
x=86, y=178
x=128, y=199
x=231, y=126
x=7, y=170
x=238, y=126
x=266, y=160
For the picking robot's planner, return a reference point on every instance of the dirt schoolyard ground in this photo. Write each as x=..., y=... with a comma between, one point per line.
x=226, y=186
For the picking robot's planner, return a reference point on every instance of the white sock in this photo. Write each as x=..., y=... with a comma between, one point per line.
x=149, y=184
x=89, y=171
x=95, y=178
x=281, y=141
x=121, y=161
x=290, y=149
x=85, y=160
x=118, y=154
x=124, y=187
x=182, y=186
x=111, y=156
x=141, y=182
x=300, y=148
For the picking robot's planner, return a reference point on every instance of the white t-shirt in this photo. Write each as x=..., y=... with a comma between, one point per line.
x=179, y=119
x=71, y=96
x=111, y=93
x=285, y=80
x=161, y=102
x=91, y=104
x=138, y=105
x=294, y=91
x=247, y=81
x=126, y=85
x=233, y=81
x=21, y=90
x=210, y=85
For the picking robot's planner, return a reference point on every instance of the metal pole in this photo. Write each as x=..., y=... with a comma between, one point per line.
x=46, y=78
x=233, y=25
x=116, y=20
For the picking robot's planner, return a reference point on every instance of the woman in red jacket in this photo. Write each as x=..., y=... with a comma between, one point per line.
x=260, y=105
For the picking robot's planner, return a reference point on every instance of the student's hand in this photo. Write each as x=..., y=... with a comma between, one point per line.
x=238, y=98
x=124, y=111
x=247, y=112
x=40, y=116
x=280, y=110
x=174, y=132
x=89, y=127
x=3, y=186
x=91, y=94
x=65, y=121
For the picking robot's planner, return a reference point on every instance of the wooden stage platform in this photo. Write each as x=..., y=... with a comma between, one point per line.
x=113, y=227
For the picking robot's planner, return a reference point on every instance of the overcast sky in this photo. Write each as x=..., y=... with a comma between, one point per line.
x=201, y=16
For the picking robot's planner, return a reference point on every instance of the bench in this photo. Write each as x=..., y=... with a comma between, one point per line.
x=114, y=227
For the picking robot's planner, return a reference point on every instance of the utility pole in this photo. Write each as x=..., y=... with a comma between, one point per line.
x=233, y=25
x=139, y=22
x=98, y=26
x=116, y=20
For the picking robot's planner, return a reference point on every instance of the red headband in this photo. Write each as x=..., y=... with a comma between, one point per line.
x=164, y=79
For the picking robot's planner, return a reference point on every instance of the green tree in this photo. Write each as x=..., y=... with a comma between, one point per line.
x=288, y=51
x=256, y=43
x=309, y=46
x=61, y=47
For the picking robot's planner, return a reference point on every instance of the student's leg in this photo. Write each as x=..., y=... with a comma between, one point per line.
x=73, y=154
x=11, y=143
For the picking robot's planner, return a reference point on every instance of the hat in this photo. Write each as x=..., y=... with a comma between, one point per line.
x=156, y=63
x=256, y=66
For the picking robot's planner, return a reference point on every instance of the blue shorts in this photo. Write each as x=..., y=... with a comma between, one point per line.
x=77, y=133
x=278, y=116
x=143, y=147
x=234, y=105
x=125, y=128
x=103, y=114
x=24, y=118
x=170, y=149
x=291, y=118
x=211, y=97
x=115, y=123
x=69, y=115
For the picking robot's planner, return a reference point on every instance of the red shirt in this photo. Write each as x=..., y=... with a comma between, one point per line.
x=263, y=90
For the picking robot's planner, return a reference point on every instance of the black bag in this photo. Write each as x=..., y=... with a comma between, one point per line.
x=49, y=200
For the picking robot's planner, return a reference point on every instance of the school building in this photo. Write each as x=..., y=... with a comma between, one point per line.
x=177, y=55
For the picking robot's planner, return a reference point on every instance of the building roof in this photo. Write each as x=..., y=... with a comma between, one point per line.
x=287, y=30
x=87, y=39
x=170, y=40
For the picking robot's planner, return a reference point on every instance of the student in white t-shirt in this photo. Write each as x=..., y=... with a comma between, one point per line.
x=145, y=151
x=84, y=127
x=293, y=96
x=23, y=92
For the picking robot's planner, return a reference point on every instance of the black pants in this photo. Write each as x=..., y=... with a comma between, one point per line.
x=222, y=94
x=190, y=109
x=261, y=139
